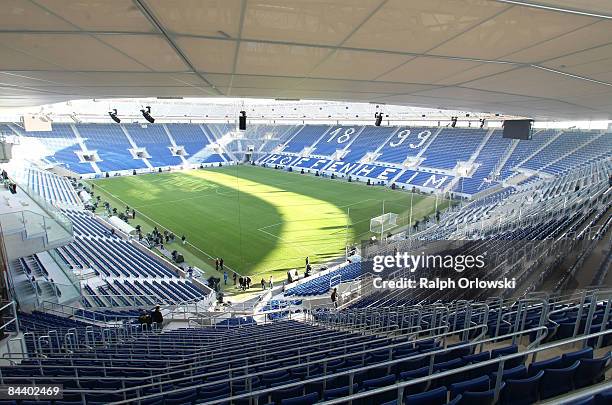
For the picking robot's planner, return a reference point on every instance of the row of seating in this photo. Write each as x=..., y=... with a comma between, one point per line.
x=437, y=151
x=113, y=142
x=564, y=194
x=130, y=276
x=439, y=148
x=300, y=363
x=54, y=189
x=141, y=294
x=321, y=284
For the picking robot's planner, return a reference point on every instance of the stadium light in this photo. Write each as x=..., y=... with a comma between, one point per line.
x=113, y=115
x=242, y=121
x=146, y=113
x=379, y=118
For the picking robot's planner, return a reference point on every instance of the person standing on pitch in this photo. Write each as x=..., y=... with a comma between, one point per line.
x=217, y=264
x=263, y=284
x=183, y=239
x=225, y=277
x=221, y=263
x=271, y=283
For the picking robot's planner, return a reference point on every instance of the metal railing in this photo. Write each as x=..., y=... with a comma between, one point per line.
x=237, y=374
x=350, y=373
x=55, y=213
x=170, y=309
x=9, y=323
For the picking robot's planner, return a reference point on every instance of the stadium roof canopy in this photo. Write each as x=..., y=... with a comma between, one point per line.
x=544, y=58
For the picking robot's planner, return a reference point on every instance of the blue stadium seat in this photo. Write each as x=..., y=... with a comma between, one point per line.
x=112, y=146
x=569, y=358
x=536, y=367
x=62, y=145
x=604, y=398
x=155, y=140
x=278, y=394
x=377, y=383
x=338, y=392
x=591, y=371
x=515, y=373
x=475, y=384
x=180, y=398
x=523, y=391
x=480, y=397
x=305, y=136
x=432, y=397
x=558, y=381
x=405, y=142
x=451, y=146
x=307, y=399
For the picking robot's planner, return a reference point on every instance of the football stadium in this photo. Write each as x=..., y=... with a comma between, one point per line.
x=296, y=202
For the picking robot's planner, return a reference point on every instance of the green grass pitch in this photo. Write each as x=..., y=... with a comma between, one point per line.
x=262, y=221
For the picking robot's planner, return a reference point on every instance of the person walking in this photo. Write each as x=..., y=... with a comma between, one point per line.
x=157, y=317
x=334, y=297
x=225, y=277
x=143, y=319
x=221, y=263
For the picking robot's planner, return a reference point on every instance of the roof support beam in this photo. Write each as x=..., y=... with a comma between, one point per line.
x=153, y=20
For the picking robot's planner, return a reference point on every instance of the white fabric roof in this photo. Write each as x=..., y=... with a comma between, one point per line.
x=545, y=58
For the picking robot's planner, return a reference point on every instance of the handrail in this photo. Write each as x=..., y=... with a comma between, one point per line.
x=209, y=353
x=102, y=317
x=52, y=211
x=308, y=364
x=501, y=360
x=573, y=396
x=257, y=393
x=420, y=331
x=324, y=351
x=197, y=355
x=397, y=386
x=14, y=320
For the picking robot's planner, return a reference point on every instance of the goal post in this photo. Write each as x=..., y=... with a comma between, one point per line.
x=382, y=223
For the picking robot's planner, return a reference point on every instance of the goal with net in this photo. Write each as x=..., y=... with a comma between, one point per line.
x=383, y=223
